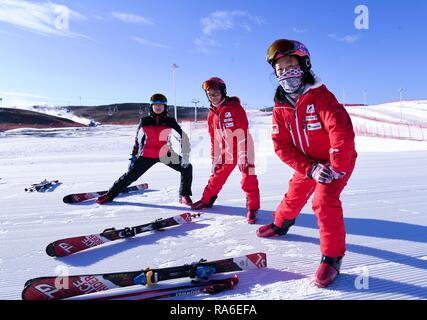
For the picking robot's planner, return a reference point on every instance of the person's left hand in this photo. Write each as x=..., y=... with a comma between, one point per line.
x=336, y=174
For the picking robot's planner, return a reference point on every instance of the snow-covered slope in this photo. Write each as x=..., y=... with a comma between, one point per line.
x=385, y=211
x=56, y=111
x=404, y=121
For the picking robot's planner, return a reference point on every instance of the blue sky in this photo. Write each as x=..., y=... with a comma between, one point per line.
x=121, y=51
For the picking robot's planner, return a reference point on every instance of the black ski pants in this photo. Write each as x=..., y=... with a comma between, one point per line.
x=142, y=165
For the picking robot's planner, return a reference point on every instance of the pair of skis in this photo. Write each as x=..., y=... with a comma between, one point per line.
x=53, y=288
x=67, y=246
x=42, y=186
x=80, y=197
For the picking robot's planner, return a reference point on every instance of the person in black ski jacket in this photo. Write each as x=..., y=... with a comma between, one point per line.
x=152, y=145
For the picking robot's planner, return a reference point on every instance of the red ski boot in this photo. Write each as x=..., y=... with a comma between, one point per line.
x=327, y=271
x=251, y=216
x=270, y=230
x=186, y=200
x=199, y=205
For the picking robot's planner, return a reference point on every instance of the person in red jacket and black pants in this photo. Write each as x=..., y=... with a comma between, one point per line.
x=231, y=146
x=313, y=134
x=152, y=145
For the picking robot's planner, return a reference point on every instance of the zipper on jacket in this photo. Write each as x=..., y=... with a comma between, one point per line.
x=292, y=134
x=298, y=131
x=305, y=135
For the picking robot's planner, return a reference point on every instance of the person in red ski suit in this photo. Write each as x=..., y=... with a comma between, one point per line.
x=231, y=146
x=313, y=134
x=152, y=145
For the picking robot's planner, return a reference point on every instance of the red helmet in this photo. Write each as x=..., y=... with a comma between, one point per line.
x=284, y=47
x=215, y=83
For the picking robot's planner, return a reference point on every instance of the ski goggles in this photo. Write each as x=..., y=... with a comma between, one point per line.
x=158, y=102
x=286, y=47
x=212, y=84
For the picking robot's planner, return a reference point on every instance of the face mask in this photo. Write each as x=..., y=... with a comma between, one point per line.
x=291, y=80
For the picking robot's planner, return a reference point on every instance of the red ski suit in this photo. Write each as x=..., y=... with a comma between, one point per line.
x=231, y=144
x=317, y=129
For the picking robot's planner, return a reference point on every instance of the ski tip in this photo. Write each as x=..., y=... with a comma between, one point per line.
x=27, y=284
x=234, y=280
x=67, y=199
x=50, y=250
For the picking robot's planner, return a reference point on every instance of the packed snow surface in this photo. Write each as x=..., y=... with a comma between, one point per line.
x=385, y=213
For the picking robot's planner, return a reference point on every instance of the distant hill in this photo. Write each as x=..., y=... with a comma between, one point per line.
x=121, y=114
x=130, y=113
x=17, y=118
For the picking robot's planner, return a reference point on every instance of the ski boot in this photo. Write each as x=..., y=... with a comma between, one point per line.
x=199, y=205
x=251, y=216
x=270, y=230
x=327, y=271
x=186, y=200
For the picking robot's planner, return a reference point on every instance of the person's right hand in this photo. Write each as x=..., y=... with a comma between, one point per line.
x=320, y=173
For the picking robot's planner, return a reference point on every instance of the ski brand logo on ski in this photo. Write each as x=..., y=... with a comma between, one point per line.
x=47, y=290
x=66, y=247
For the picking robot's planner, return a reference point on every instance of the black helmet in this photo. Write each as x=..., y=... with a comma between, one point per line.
x=158, y=98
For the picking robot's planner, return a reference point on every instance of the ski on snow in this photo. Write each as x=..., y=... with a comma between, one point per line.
x=65, y=247
x=42, y=186
x=211, y=286
x=53, y=288
x=79, y=197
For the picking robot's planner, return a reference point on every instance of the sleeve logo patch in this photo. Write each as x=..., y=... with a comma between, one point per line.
x=229, y=125
x=275, y=129
x=228, y=114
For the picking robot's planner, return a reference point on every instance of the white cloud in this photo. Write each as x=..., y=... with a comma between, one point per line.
x=131, y=18
x=227, y=20
x=47, y=18
x=349, y=39
x=148, y=43
x=222, y=21
x=296, y=30
x=204, y=44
